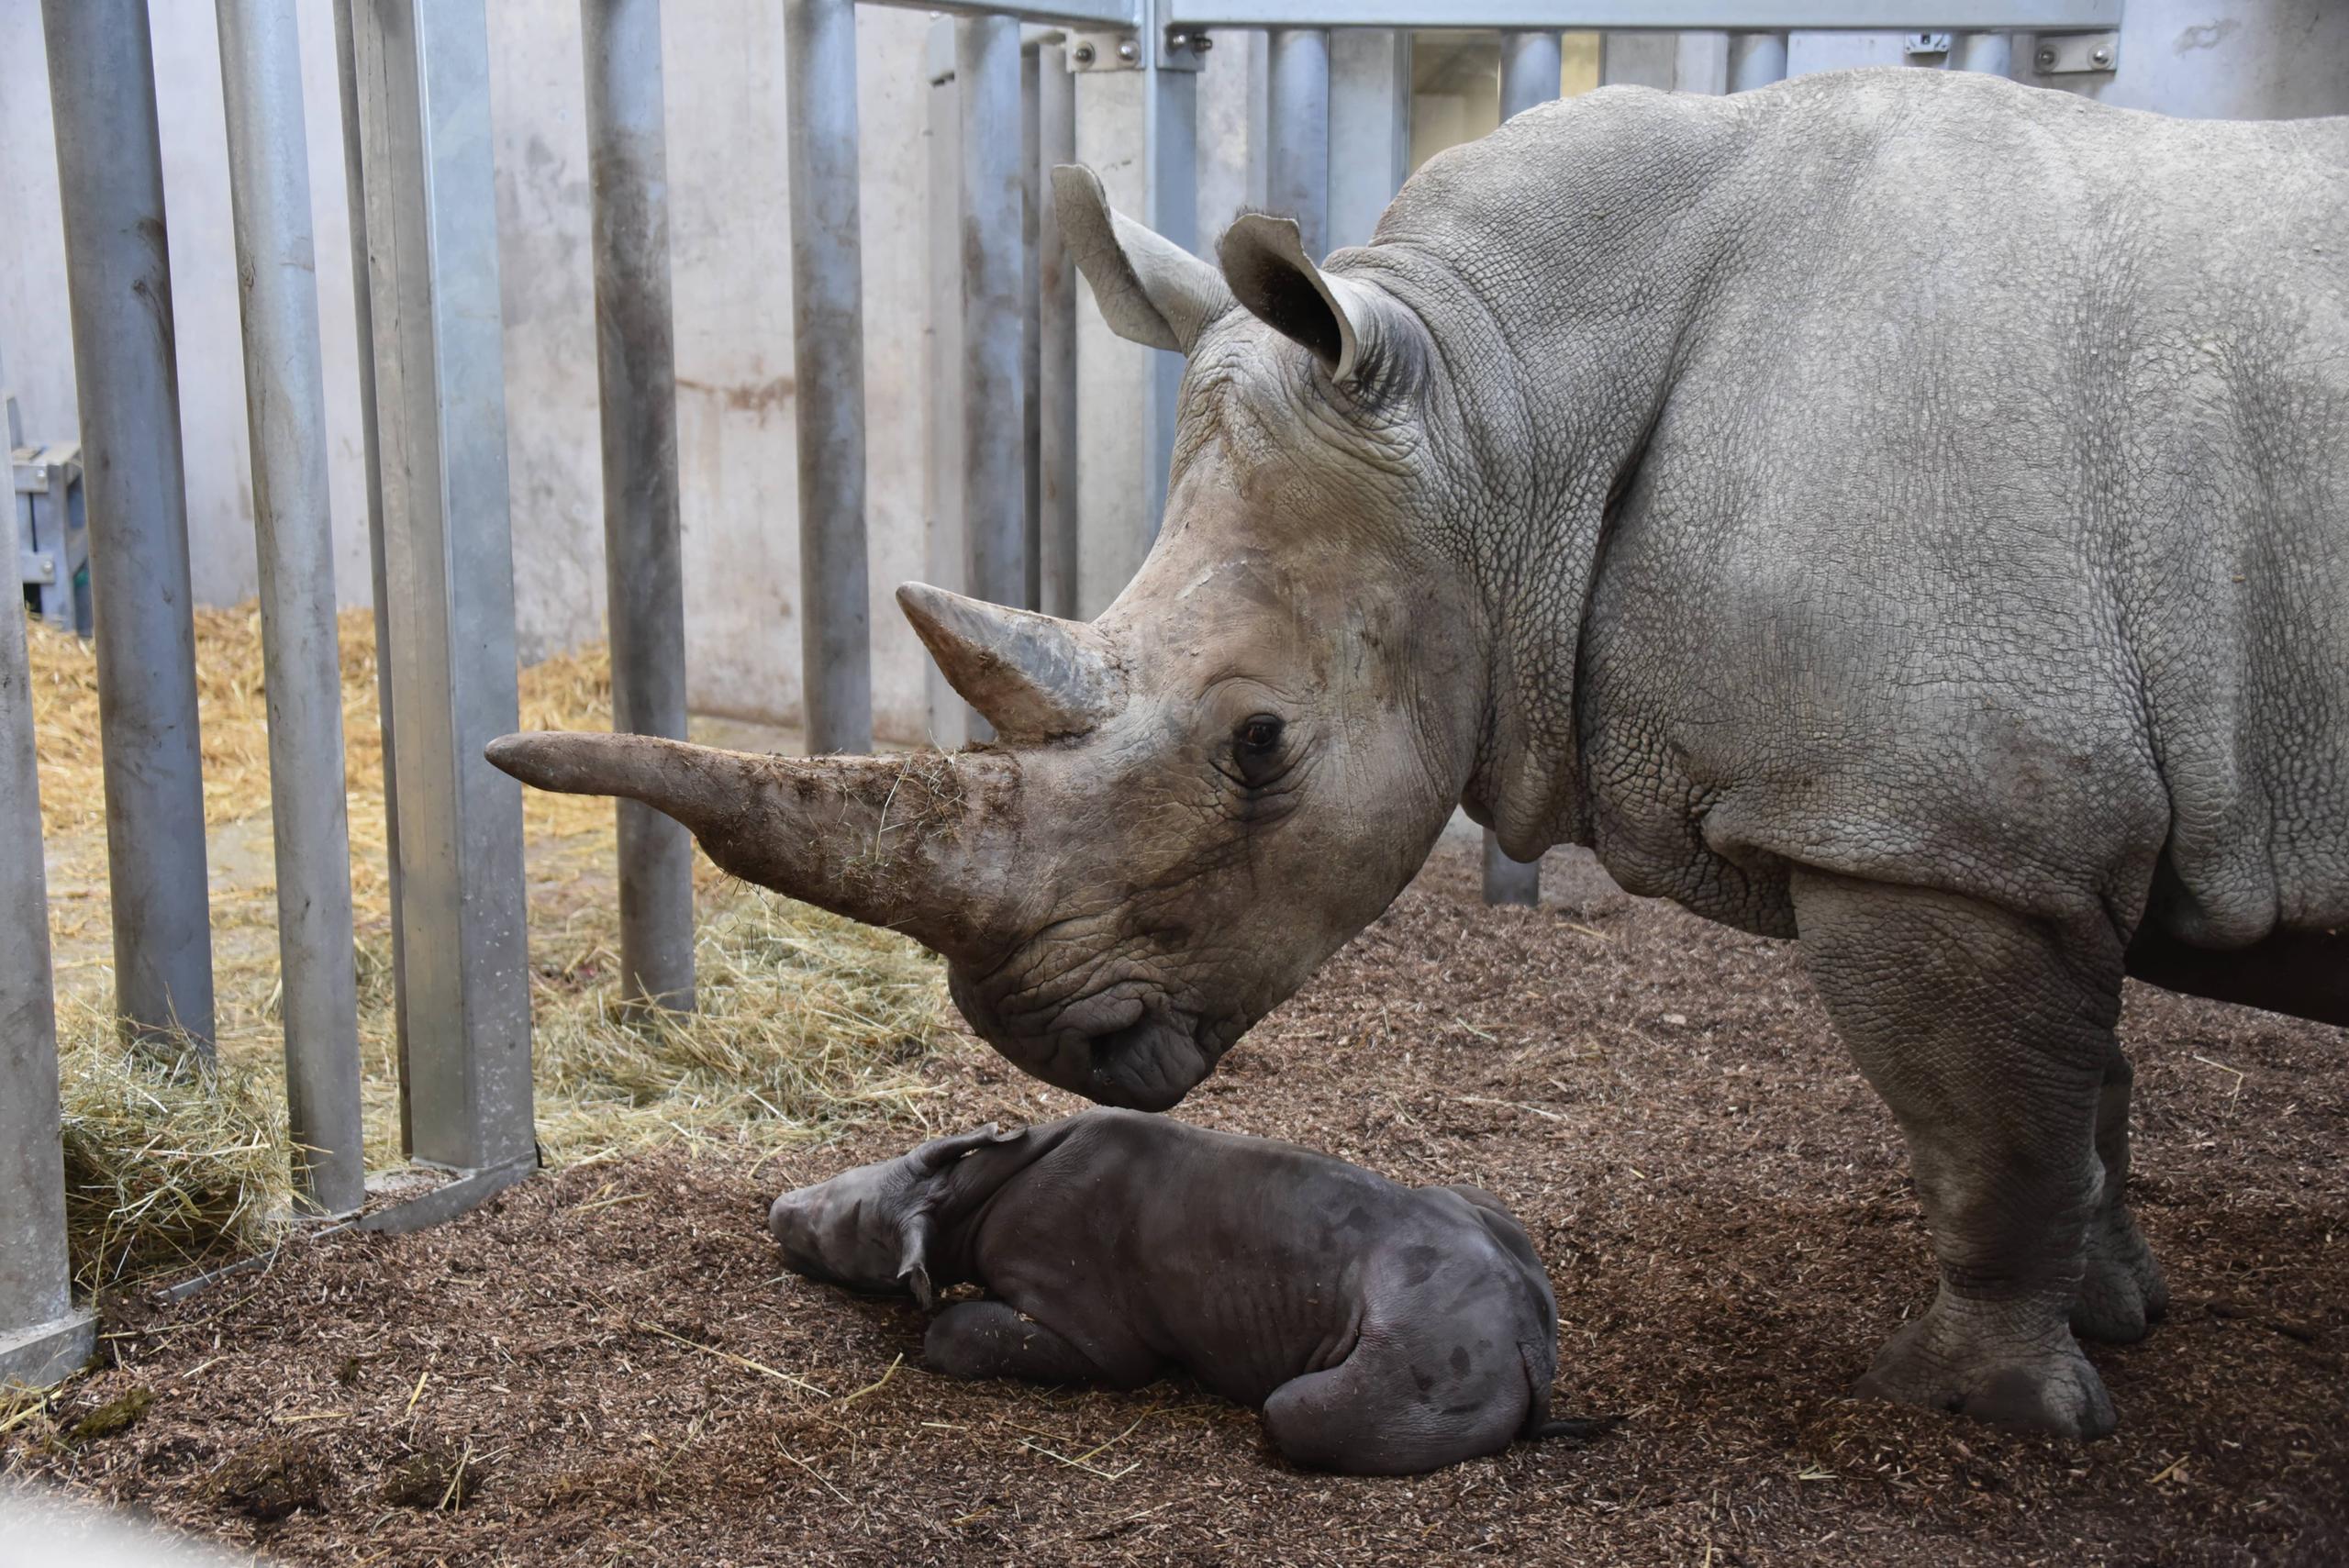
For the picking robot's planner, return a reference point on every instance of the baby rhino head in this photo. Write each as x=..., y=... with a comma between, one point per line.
x=872, y=1228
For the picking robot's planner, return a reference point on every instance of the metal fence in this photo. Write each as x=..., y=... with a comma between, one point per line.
x=416, y=131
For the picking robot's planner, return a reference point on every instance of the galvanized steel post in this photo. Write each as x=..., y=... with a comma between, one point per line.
x=1170, y=136
x=354, y=177
x=1031, y=323
x=636, y=370
x=41, y=1336
x=109, y=164
x=827, y=352
x=1296, y=178
x=285, y=417
x=987, y=73
x=1990, y=53
x=1056, y=532
x=1370, y=116
x=1756, y=59
x=1529, y=67
x=423, y=70
x=944, y=563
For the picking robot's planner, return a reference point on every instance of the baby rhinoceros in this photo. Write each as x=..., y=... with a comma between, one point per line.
x=1383, y=1329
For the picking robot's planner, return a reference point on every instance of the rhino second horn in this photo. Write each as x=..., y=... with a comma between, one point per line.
x=1033, y=677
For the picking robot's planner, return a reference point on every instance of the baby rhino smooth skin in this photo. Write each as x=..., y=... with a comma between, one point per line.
x=1383, y=1329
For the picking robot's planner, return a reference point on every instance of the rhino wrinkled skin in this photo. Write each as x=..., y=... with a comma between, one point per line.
x=1898, y=510
x=1382, y=1329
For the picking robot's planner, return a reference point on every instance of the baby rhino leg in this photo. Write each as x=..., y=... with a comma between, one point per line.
x=1391, y=1408
x=989, y=1338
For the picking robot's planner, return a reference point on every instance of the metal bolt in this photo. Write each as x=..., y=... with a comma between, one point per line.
x=2046, y=60
x=1203, y=43
x=1085, y=54
x=1127, y=50
x=2101, y=56
x=1178, y=40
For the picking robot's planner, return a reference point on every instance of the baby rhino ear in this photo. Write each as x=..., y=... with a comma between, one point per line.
x=936, y=1155
x=913, y=1263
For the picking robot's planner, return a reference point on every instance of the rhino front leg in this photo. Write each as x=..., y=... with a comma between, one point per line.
x=993, y=1339
x=1991, y=1039
x=2121, y=1289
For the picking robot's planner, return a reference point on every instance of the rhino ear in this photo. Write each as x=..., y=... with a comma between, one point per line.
x=939, y=1152
x=913, y=1263
x=1149, y=289
x=1274, y=280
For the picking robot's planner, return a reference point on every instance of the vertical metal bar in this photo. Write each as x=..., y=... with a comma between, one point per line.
x=1370, y=116
x=1298, y=180
x=636, y=372
x=109, y=163
x=423, y=68
x=354, y=177
x=1031, y=326
x=1511, y=882
x=1170, y=122
x=1756, y=59
x=1529, y=67
x=42, y=1339
x=827, y=350
x=986, y=71
x=1990, y=53
x=944, y=561
x=1056, y=532
x=285, y=413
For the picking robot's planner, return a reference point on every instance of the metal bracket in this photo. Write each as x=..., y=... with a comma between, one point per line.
x=1181, y=48
x=2074, y=54
x=1924, y=46
x=39, y=566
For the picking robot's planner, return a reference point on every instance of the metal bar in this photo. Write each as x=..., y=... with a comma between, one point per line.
x=109, y=161
x=355, y=178
x=1298, y=168
x=1529, y=67
x=423, y=68
x=827, y=350
x=1031, y=325
x=1990, y=53
x=1370, y=116
x=1509, y=882
x=1756, y=59
x=1651, y=15
x=1104, y=14
x=42, y=1339
x=1056, y=532
x=285, y=415
x=987, y=72
x=636, y=372
x=944, y=558
x=1170, y=124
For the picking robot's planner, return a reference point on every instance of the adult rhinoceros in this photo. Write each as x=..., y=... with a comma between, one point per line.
x=1904, y=512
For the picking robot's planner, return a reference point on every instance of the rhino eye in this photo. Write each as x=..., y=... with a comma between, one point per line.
x=1259, y=734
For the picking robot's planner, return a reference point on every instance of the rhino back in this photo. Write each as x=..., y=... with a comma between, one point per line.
x=1993, y=533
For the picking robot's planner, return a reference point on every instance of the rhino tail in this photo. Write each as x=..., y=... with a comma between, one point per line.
x=1539, y=1422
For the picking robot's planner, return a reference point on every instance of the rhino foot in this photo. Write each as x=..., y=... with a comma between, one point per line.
x=2122, y=1291
x=1950, y=1361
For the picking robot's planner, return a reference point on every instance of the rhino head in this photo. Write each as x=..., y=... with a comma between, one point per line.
x=1194, y=800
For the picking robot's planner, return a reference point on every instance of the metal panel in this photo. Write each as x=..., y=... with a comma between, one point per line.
x=355, y=178
x=636, y=369
x=1056, y=532
x=1756, y=59
x=942, y=562
x=42, y=1339
x=1990, y=53
x=995, y=486
x=1090, y=12
x=1653, y=16
x=1298, y=112
x=285, y=415
x=1031, y=323
x=1530, y=67
x=827, y=349
x=1370, y=114
x=423, y=68
x=102, y=92
x=1171, y=205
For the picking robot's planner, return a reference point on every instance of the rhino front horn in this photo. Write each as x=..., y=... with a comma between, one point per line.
x=1035, y=678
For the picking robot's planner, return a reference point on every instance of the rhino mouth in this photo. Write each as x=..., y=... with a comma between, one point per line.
x=1127, y=1045
x=1148, y=1065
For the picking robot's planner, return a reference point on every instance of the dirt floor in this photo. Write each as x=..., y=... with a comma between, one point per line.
x=607, y=1367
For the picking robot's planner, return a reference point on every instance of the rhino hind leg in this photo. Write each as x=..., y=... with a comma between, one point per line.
x=2121, y=1289
x=1394, y=1407
x=1990, y=1037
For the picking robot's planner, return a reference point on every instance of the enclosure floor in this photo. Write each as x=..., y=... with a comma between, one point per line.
x=614, y=1360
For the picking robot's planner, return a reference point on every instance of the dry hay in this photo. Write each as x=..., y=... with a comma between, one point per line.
x=805, y=1021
